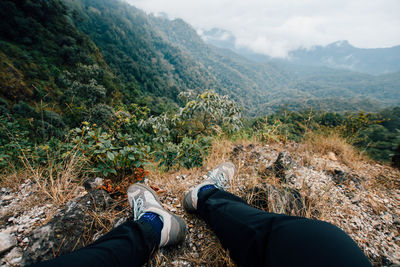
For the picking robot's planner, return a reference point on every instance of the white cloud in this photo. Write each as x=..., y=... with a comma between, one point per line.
x=275, y=27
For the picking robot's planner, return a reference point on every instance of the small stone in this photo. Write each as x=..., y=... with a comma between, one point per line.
x=386, y=217
x=25, y=240
x=396, y=219
x=93, y=184
x=13, y=258
x=11, y=219
x=332, y=156
x=179, y=263
x=7, y=242
x=356, y=200
x=16, y=261
x=9, y=197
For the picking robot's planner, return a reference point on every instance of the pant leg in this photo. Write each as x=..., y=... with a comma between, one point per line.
x=129, y=244
x=257, y=238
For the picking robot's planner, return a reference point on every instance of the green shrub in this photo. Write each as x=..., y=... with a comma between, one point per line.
x=188, y=154
x=183, y=139
x=109, y=152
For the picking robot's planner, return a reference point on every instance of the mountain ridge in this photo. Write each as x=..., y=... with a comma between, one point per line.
x=340, y=54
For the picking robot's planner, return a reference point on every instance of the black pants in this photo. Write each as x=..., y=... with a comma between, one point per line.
x=253, y=238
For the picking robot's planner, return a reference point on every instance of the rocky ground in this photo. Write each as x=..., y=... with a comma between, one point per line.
x=364, y=201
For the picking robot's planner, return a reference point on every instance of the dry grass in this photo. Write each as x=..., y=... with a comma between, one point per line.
x=55, y=183
x=59, y=182
x=323, y=143
x=13, y=179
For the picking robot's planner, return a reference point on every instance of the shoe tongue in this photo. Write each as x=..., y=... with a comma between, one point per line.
x=150, y=199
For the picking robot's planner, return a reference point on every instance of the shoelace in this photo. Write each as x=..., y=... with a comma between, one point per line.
x=137, y=207
x=220, y=181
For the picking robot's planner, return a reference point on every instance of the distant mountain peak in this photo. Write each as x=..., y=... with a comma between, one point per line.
x=341, y=43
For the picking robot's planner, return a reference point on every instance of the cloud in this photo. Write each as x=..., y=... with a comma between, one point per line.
x=275, y=27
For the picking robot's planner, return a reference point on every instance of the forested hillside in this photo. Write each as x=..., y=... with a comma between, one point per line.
x=51, y=74
x=136, y=53
x=277, y=83
x=107, y=63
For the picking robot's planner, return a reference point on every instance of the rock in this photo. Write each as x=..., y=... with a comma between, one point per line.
x=251, y=146
x=271, y=198
x=332, y=156
x=93, y=183
x=255, y=155
x=283, y=163
x=64, y=232
x=386, y=217
x=8, y=197
x=7, y=242
x=396, y=219
x=180, y=263
x=356, y=200
x=237, y=150
x=12, y=258
x=339, y=177
x=80, y=191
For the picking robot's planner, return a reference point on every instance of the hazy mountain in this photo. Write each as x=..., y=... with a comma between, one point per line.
x=338, y=55
x=293, y=85
x=343, y=55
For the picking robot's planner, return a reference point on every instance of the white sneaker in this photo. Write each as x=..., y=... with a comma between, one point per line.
x=143, y=199
x=218, y=177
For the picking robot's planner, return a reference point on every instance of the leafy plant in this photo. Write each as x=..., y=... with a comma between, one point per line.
x=203, y=114
x=188, y=154
x=183, y=139
x=110, y=152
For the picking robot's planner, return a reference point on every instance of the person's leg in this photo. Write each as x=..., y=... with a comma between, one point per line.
x=129, y=244
x=257, y=238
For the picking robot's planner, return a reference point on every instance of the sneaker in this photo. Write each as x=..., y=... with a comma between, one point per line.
x=143, y=199
x=218, y=177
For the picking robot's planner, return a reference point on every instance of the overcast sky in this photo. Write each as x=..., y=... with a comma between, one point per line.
x=275, y=27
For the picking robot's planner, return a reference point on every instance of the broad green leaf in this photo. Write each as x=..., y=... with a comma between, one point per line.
x=110, y=156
